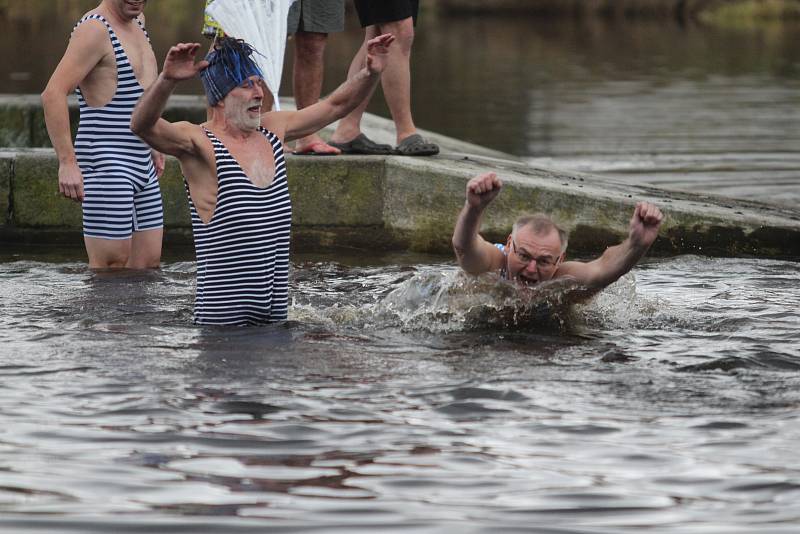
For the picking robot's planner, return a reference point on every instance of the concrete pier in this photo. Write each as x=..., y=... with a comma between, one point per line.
x=406, y=203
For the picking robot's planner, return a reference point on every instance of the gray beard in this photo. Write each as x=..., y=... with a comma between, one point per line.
x=241, y=119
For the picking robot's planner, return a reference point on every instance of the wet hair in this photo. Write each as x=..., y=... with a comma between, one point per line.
x=541, y=224
x=230, y=64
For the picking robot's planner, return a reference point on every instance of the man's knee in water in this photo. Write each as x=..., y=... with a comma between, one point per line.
x=107, y=253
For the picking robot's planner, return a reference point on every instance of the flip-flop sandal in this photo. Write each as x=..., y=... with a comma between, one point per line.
x=320, y=148
x=363, y=145
x=416, y=145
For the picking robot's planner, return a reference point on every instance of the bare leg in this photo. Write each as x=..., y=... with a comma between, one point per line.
x=396, y=78
x=350, y=125
x=107, y=253
x=145, y=249
x=309, y=50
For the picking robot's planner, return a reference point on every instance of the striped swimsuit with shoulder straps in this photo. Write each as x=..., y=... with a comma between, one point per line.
x=243, y=251
x=121, y=191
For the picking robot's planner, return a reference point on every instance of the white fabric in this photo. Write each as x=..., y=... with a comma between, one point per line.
x=262, y=24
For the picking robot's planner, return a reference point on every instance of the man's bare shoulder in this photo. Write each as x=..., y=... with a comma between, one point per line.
x=187, y=129
x=90, y=32
x=275, y=122
x=484, y=257
x=570, y=268
x=91, y=24
x=190, y=127
x=497, y=257
x=196, y=144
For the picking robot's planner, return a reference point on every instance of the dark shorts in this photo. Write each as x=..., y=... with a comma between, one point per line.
x=371, y=12
x=318, y=16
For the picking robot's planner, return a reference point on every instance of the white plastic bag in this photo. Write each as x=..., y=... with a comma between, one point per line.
x=262, y=24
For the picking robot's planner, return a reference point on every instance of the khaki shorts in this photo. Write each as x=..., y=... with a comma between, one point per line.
x=317, y=16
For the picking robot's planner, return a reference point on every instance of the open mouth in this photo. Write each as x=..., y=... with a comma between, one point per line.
x=255, y=109
x=527, y=281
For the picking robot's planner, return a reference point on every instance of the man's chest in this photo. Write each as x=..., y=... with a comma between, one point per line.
x=255, y=158
x=132, y=49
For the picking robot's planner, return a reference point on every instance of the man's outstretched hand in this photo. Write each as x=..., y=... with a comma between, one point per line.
x=180, y=64
x=645, y=222
x=482, y=189
x=378, y=52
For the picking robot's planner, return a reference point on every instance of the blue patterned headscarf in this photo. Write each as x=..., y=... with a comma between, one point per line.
x=230, y=64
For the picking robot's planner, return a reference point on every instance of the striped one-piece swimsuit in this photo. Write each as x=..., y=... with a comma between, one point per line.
x=121, y=192
x=243, y=251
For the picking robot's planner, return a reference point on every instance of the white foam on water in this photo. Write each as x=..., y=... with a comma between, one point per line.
x=438, y=300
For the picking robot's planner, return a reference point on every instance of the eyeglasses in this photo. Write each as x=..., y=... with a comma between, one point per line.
x=542, y=262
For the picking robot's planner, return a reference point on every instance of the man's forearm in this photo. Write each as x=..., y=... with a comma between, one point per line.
x=56, y=119
x=467, y=242
x=618, y=260
x=352, y=92
x=342, y=101
x=467, y=226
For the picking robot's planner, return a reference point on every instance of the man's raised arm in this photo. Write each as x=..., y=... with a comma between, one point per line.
x=475, y=255
x=344, y=99
x=146, y=122
x=619, y=259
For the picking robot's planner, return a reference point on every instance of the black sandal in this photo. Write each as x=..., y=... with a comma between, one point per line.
x=363, y=145
x=416, y=145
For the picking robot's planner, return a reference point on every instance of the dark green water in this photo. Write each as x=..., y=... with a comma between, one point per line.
x=401, y=397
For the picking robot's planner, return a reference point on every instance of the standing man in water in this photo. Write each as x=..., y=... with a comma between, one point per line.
x=535, y=250
x=236, y=176
x=113, y=173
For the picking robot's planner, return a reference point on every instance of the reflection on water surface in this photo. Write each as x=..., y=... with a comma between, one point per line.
x=385, y=405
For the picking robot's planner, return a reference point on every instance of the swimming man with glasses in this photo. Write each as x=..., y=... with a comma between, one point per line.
x=534, y=251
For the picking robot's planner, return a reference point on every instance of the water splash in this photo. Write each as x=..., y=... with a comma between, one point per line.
x=447, y=300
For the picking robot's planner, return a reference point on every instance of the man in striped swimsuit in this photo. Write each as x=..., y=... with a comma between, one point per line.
x=535, y=250
x=113, y=173
x=236, y=176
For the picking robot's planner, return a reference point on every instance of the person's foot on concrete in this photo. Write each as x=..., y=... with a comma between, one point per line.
x=416, y=145
x=362, y=144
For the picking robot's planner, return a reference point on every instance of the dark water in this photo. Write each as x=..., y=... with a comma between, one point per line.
x=401, y=397
x=686, y=106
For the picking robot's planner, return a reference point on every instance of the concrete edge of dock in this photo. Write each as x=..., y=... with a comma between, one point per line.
x=406, y=203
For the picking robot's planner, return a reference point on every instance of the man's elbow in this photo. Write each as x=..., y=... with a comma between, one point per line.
x=138, y=128
x=459, y=249
x=49, y=96
x=141, y=128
